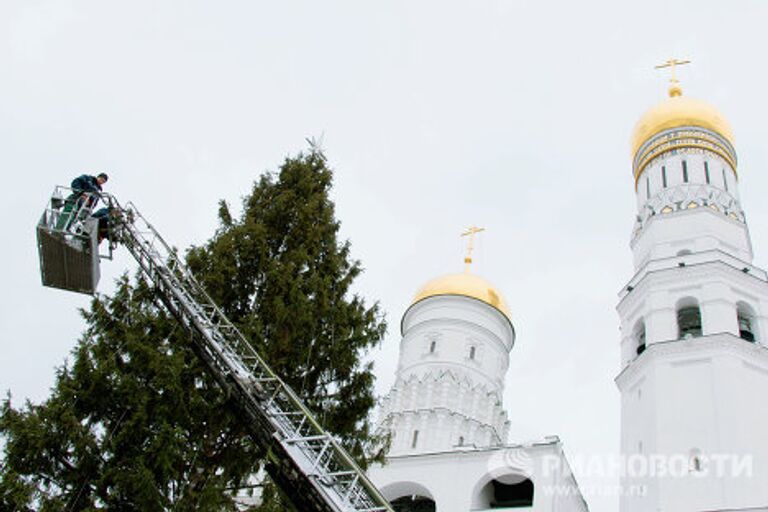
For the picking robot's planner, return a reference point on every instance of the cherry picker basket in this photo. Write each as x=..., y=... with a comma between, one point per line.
x=67, y=241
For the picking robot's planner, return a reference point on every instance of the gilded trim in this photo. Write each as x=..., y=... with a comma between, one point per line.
x=690, y=139
x=679, y=134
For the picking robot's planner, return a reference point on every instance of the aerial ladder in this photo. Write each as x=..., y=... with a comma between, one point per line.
x=304, y=460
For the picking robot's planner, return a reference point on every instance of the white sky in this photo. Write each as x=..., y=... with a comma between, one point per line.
x=436, y=115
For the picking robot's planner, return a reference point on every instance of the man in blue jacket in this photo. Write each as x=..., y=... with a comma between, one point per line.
x=86, y=183
x=85, y=191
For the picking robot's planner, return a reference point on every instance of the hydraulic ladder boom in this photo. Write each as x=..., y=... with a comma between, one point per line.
x=308, y=464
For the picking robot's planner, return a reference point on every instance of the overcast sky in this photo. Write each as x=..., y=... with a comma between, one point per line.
x=512, y=115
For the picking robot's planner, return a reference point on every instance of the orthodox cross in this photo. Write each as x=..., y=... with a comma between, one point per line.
x=470, y=232
x=672, y=64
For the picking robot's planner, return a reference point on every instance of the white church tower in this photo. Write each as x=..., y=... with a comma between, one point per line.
x=444, y=414
x=454, y=355
x=694, y=354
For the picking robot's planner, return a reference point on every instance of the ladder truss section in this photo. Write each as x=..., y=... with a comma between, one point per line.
x=309, y=464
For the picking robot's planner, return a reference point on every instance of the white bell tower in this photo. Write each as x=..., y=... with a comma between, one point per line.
x=444, y=414
x=694, y=323
x=454, y=355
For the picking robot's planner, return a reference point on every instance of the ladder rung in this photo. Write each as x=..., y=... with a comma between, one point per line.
x=340, y=473
x=262, y=380
x=306, y=439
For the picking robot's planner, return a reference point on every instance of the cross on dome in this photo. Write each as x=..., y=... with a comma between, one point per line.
x=674, y=84
x=465, y=283
x=470, y=232
x=678, y=112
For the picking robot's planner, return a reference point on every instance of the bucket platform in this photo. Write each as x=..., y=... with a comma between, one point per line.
x=67, y=242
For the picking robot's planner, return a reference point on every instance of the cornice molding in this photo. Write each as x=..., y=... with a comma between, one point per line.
x=714, y=271
x=712, y=345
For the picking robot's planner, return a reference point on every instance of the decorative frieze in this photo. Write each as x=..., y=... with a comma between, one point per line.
x=688, y=197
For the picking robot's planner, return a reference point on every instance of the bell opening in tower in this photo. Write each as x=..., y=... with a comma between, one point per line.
x=508, y=491
x=746, y=323
x=689, y=322
x=413, y=504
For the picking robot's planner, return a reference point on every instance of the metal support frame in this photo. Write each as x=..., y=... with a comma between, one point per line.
x=308, y=463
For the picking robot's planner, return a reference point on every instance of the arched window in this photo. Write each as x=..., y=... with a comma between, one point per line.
x=409, y=497
x=508, y=491
x=413, y=503
x=747, y=323
x=688, y=319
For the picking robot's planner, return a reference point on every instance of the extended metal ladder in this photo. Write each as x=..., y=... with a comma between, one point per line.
x=308, y=464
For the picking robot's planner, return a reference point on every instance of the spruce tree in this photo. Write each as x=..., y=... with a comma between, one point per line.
x=134, y=422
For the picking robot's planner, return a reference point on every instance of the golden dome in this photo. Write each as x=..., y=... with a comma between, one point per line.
x=466, y=285
x=679, y=111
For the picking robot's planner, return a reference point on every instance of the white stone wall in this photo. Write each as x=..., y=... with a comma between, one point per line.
x=721, y=175
x=691, y=231
x=454, y=356
x=706, y=396
x=447, y=410
x=460, y=480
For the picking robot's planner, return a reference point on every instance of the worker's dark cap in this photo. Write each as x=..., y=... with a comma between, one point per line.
x=103, y=175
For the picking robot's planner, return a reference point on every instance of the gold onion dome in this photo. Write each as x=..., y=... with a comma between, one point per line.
x=465, y=285
x=678, y=111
